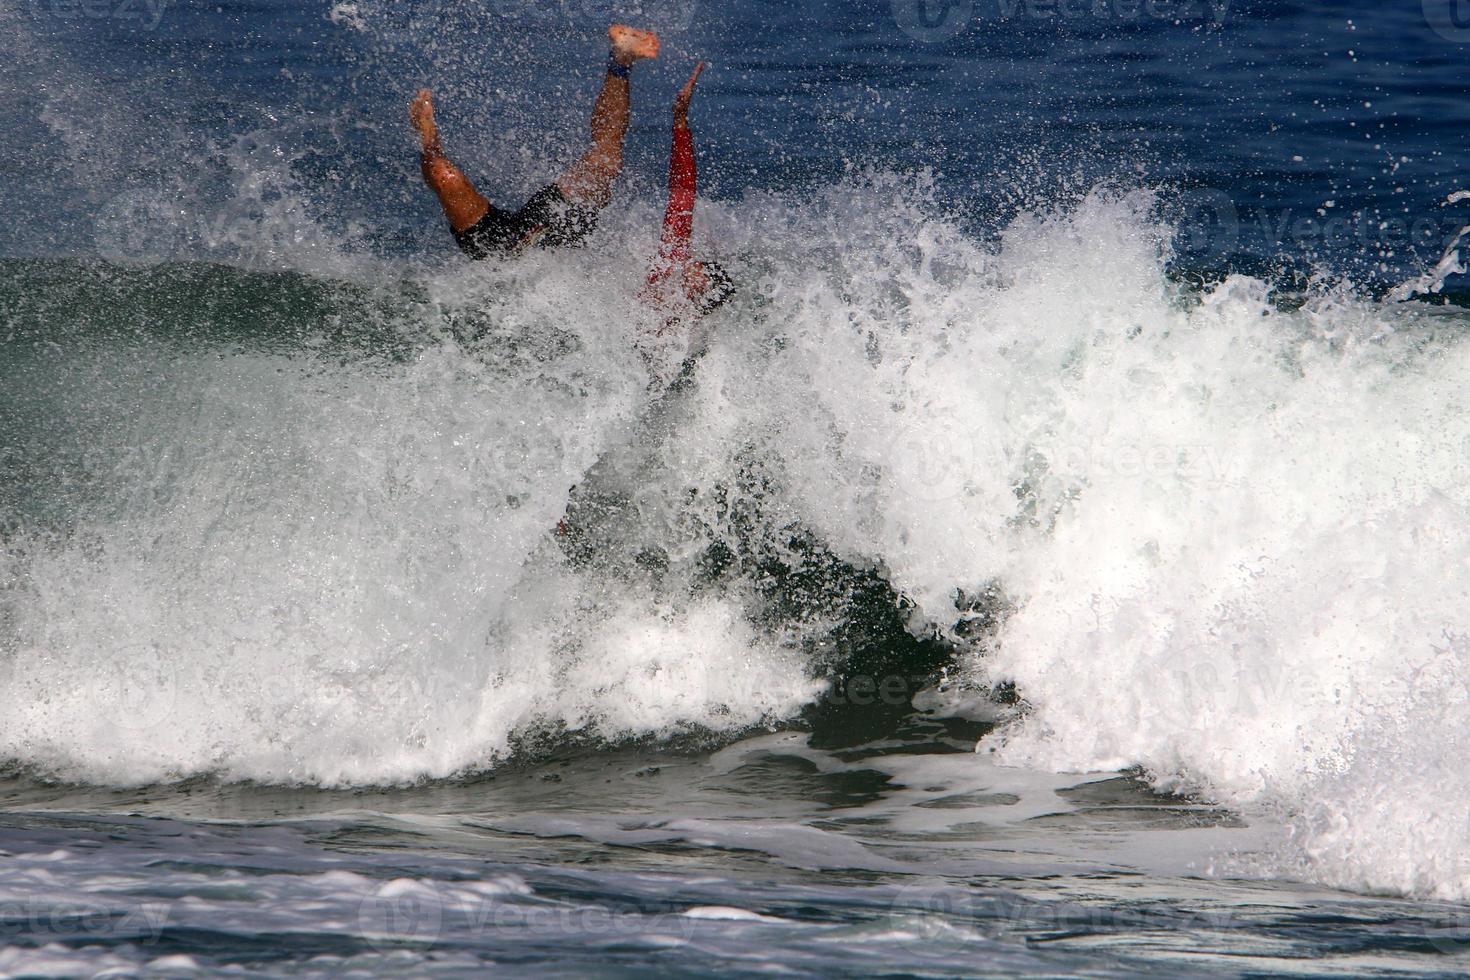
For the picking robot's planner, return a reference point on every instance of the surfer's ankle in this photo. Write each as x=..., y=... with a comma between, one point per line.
x=421, y=116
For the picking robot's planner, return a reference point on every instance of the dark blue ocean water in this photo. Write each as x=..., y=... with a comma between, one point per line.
x=1310, y=135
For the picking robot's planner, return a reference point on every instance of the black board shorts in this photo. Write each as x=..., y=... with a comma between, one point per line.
x=548, y=220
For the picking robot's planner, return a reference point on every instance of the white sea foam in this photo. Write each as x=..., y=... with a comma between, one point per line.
x=299, y=570
x=1234, y=537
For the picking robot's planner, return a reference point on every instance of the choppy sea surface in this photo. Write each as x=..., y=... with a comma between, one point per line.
x=1052, y=562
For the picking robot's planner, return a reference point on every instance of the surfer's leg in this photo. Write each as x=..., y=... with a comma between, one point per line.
x=463, y=205
x=589, y=181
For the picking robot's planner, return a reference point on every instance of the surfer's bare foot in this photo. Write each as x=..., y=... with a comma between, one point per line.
x=629, y=45
x=421, y=114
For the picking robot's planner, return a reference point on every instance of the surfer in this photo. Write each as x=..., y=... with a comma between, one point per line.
x=677, y=279
x=563, y=213
x=678, y=285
